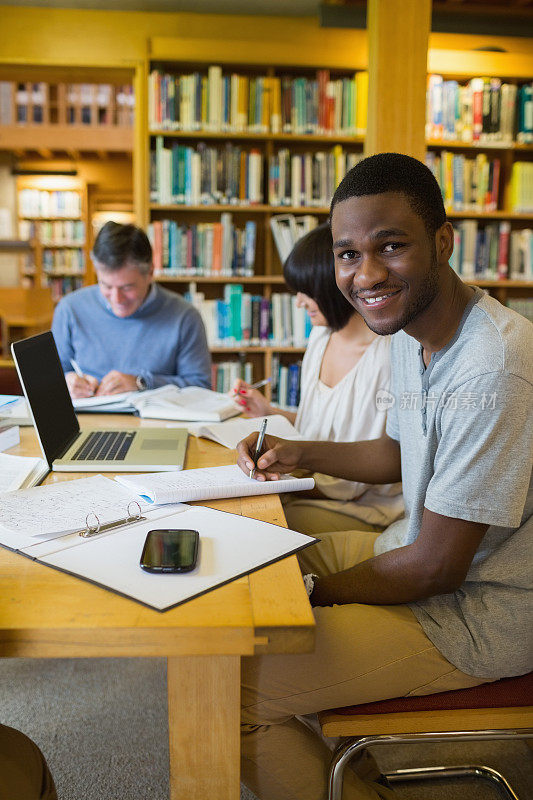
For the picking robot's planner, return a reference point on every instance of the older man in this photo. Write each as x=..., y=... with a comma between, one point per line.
x=127, y=333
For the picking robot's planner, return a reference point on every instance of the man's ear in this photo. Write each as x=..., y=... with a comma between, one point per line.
x=444, y=243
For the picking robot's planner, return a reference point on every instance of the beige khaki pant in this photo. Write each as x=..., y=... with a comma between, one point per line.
x=305, y=515
x=363, y=653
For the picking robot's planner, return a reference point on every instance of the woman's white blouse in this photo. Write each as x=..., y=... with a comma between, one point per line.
x=347, y=412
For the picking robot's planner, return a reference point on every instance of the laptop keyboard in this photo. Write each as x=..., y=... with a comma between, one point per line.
x=105, y=446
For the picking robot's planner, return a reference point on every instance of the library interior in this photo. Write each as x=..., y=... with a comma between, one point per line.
x=192, y=199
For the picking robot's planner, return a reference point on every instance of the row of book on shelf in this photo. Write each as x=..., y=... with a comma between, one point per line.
x=45, y=203
x=492, y=251
x=284, y=380
x=466, y=183
x=64, y=259
x=230, y=174
x=56, y=232
x=484, y=110
x=244, y=319
x=473, y=183
x=232, y=102
x=218, y=248
x=61, y=285
x=66, y=103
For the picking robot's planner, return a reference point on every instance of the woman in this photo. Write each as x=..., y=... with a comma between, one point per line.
x=344, y=366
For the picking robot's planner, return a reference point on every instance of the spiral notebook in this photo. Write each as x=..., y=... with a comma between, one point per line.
x=107, y=529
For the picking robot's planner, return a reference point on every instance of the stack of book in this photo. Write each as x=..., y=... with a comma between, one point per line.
x=485, y=110
x=491, y=251
x=214, y=248
x=467, y=184
x=205, y=175
x=247, y=320
x=307, y=179
x=259, y=104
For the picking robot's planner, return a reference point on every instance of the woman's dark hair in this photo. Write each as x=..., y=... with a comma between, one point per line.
x=117, y=244
x=310, y=269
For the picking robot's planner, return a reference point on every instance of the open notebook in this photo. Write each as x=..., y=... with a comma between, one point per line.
x=230, y=432
x=207, y=483
x=230, y=545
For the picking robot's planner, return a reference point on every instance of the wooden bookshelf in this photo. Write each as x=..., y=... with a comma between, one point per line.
x=268, y=275
x=487, y=113
x=59, y=250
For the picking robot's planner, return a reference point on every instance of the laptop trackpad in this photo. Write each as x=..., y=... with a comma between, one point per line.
x=158, y=444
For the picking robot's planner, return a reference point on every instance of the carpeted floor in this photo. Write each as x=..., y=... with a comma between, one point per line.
x=102, y=725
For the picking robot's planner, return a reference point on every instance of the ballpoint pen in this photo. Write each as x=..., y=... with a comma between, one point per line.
x=257, y=385
x=258, y=446
x=77, y=369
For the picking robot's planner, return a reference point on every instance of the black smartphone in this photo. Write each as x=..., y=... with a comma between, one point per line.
x=170, y=550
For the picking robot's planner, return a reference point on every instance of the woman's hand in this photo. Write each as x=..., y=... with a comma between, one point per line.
x=253, y=402
x=278, y=457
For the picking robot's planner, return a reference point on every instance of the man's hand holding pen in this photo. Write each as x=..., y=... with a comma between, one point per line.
x=279, y=457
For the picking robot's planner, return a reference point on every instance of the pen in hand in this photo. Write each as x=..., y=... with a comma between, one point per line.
x=257, y=385
x=77, y=369
x=258, y=446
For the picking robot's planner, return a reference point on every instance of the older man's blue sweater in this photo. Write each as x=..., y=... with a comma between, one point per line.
x=164, y=340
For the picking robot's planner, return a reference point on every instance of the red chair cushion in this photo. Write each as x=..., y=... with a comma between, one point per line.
x=504, y=693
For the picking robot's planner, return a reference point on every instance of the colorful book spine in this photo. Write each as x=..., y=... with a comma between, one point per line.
x=219, y=102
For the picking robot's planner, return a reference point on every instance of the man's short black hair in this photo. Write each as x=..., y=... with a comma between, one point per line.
x=117, y=244
x=310, y=268
x=395, y=172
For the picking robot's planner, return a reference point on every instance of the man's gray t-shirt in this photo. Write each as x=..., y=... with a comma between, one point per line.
x=465, y=428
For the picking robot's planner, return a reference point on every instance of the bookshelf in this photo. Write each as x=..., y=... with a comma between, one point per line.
x=304, y=124
x=49, y=116
x=52, y=214
x=480, y=144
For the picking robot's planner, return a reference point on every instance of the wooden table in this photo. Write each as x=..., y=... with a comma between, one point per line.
x=46, y=613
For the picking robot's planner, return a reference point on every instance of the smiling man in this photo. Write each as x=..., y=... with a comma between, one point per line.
x=127, y=333
x=442, y=598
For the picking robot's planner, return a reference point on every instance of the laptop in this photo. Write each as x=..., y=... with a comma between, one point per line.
x=64, y=445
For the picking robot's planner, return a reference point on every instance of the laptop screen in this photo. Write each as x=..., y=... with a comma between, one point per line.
x=43, y=381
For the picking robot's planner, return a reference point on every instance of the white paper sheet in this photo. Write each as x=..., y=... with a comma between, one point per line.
x=62, y=507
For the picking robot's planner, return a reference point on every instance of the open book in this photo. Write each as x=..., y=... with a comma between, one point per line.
x=21, y=472
x=207, y=483
x=230, y=433
x=192, y=403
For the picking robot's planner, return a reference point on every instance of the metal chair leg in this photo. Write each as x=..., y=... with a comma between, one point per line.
x=349, y=749
x=470, y=771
